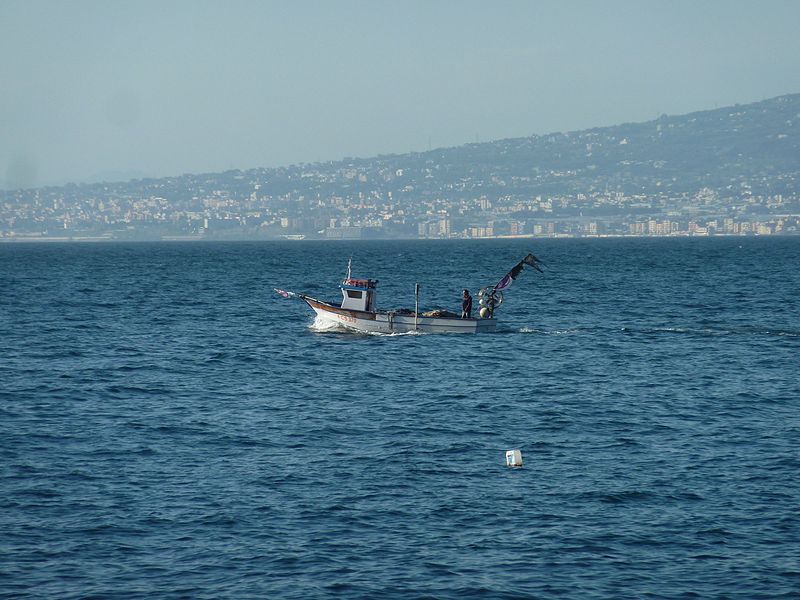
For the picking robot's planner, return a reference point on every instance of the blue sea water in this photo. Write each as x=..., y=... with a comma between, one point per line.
x=172, y=428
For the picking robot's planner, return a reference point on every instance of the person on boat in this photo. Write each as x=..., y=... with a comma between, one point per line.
x=466, y=305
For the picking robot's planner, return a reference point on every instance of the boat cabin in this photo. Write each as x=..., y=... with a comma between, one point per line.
x=359, y=294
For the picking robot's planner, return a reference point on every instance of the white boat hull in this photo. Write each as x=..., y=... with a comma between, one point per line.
x=389, y=322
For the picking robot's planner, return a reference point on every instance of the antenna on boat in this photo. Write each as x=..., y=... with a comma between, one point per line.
x=349, y=264
x=416, y=305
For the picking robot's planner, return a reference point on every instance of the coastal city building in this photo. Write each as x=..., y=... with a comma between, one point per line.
x=719, y=172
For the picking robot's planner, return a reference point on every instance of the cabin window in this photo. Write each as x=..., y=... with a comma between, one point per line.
x=354, y=294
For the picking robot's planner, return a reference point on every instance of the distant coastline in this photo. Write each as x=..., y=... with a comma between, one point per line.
x=209, y=240
x=733, y=170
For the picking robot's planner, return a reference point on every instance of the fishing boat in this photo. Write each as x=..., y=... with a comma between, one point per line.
x=358, y=309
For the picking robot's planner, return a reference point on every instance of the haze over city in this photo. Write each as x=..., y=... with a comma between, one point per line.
x=95, y=91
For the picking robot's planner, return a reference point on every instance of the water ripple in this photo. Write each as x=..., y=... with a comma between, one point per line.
x=169, y=428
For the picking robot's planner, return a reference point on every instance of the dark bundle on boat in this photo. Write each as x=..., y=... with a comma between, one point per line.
x=438, y=312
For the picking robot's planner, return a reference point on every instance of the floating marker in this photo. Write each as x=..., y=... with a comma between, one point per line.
x=513, y=458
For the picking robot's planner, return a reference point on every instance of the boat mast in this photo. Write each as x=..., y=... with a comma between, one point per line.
x=416, y=304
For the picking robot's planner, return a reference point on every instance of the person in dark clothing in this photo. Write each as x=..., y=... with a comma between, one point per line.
x=466, y=305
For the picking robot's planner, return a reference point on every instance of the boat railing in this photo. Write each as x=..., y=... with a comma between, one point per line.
x=369, y=284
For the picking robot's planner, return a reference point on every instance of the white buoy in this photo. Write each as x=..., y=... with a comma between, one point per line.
x=513, y=458
x=484, y=312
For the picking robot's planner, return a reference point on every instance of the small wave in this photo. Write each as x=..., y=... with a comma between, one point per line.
x=395, y=333
x=720, y=331
x=135, y=389
x=131, y=368
x=569, y=331
x=39, y=492
x=323, y=326
x=620, y=497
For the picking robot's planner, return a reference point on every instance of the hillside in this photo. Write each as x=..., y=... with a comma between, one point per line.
x=734, y=161
x=755, y=145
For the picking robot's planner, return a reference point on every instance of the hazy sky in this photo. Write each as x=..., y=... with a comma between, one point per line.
x=114, y=90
